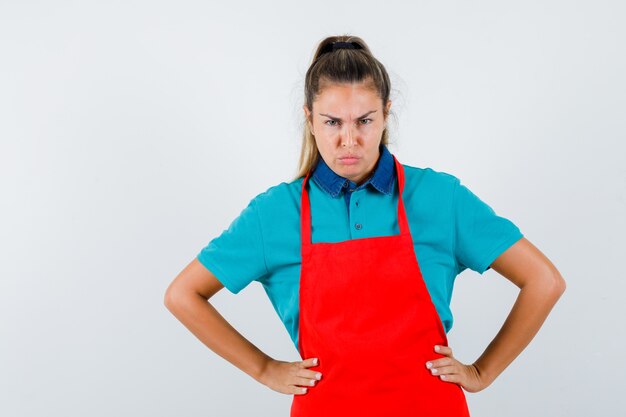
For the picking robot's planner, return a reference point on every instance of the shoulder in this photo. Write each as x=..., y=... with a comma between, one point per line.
x=428, y=179
x=279, y=196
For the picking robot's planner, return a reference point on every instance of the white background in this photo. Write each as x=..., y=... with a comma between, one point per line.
x=134, y=132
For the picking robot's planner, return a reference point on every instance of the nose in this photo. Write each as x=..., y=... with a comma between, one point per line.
x=347, y=136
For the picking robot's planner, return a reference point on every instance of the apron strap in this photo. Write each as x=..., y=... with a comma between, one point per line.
x=305, y=206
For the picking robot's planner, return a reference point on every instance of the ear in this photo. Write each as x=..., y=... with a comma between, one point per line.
x=307, y=115
x=388, y=106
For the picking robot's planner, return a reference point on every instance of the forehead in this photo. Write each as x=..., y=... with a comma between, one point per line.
x=346, y=96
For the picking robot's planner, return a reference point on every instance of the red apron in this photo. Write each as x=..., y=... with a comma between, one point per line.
x=366, y=314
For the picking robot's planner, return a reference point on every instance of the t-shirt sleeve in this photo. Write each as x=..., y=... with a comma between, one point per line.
x=236, y=257
x=481, y=234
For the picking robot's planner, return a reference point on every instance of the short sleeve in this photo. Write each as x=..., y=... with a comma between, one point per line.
x=481, y=234
x=236, y=257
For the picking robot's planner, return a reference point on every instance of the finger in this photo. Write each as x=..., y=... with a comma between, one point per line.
x=302, y=370
x=453, y=378
x=439, y=362
x=305, y=382
x=444, y=350
x=445, y=370
x=309, y=362
x=293, y=389
x=304, y=378
x=310, y=374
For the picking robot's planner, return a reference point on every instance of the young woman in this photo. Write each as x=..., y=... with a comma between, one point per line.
x=358, y=255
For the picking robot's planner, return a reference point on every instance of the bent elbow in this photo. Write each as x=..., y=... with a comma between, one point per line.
x=171, y=297
x=557, y=284
x=562, y=285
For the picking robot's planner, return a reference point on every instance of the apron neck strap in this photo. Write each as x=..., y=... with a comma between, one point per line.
x=305, y=206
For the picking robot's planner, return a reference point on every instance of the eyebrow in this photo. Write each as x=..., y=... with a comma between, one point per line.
x=339, y=119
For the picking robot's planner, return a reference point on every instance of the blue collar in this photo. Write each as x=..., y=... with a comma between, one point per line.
x=381, y=179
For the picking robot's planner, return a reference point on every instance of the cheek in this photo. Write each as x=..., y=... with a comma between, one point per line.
x=325, y=136
x=323, y=143
x=372, y=132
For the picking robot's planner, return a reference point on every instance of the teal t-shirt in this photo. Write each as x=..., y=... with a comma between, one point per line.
x=452, y=229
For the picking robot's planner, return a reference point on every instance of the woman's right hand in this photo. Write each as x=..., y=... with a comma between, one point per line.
x=290, y=377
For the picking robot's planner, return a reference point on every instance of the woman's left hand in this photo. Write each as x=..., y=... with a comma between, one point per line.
x=449, y=369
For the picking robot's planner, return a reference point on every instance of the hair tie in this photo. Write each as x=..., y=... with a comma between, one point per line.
x=343, y=45
x=333, y=46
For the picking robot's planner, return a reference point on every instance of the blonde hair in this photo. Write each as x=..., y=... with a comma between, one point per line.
x=339, y=66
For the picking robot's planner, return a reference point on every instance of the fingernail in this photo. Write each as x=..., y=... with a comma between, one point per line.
x=315, y=361
x=437, y=348
x=303, y=389
x=318, y=376
x=428, y=365
x=434, y=371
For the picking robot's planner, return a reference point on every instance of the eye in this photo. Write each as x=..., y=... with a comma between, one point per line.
x=333, y=121
x=366, y=119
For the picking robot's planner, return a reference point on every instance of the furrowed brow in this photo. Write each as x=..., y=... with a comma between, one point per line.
x=339, y=119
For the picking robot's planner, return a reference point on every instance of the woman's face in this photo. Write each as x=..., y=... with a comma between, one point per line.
x=347, y=122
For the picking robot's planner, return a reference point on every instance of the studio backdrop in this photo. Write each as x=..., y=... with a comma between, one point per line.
x=133, y=133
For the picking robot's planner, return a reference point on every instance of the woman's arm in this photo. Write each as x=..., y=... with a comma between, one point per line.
x=541, y=285
x=187, y=298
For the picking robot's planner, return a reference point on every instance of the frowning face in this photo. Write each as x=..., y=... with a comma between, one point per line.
x=347, y=122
